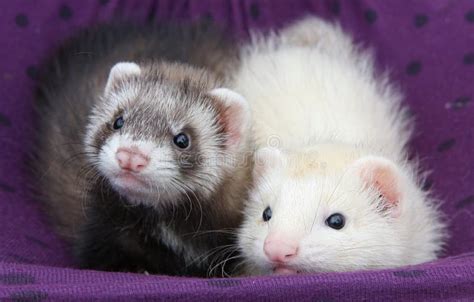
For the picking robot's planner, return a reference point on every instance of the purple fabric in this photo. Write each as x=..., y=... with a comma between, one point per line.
x=429, y=48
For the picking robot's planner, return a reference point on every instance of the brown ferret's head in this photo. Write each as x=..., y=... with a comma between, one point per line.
x=162, y=130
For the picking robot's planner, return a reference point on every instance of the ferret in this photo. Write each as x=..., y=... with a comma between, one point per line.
x=141, y=151
x=333, y=187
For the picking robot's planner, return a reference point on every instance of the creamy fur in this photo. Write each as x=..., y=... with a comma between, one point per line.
x=316, y=99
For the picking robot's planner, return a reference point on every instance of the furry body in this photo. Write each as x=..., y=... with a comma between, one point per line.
x=338, y=134
x=165, y=218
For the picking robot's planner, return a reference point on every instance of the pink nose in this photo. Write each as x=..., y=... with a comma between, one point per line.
x=280, y=249
x=131, y=159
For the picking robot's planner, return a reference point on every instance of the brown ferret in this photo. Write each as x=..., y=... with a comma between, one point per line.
x=142, y=157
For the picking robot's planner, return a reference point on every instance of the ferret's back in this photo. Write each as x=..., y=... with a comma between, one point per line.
x=304, y=94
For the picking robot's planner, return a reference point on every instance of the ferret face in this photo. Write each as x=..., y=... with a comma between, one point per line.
x=315, y=219
x=155, y=141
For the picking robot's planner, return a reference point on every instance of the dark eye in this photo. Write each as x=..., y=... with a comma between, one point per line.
x=181, y=140
x=118, y=123
x=336, y=221
x=267, y=214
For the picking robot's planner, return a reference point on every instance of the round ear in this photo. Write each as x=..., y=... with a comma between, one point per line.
x=234, y=115
x=121, y=71
x=384, y=176
x=266, y=158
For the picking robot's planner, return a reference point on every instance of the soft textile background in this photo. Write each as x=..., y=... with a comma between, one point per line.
x=429, y=48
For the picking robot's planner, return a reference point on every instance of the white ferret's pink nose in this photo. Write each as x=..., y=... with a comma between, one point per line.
x=280, y=249
x=131, y=159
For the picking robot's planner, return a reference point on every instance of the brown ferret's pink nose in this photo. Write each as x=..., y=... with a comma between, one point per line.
x=131, y=159
x=280, y=249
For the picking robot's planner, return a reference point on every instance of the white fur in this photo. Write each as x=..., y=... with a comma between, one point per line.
x=120, y=71
x=230, y=97
x=147, y=190
x=306, y=94
x=315, y=93
x=176, y=243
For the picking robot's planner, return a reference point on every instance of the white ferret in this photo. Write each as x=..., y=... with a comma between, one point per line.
x=334, y=191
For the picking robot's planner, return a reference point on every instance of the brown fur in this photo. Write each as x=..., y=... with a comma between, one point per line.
x=72, y=83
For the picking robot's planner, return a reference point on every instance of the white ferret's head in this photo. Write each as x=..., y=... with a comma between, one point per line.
x=161, y=131
x=334, y=211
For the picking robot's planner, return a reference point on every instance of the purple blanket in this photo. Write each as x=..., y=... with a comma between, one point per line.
x=429, y=48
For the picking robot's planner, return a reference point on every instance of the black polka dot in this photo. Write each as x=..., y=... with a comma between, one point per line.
x=427, y=184
x=4, y=121
x=254, y=11
x=65, y=12
x=446, y=145
x=370, y=16
x=420, y=20
x=28, y=296
x=6, y=188
x=16, y=279
x=103, y=2
x=409, y=274
x=334, y=7
x=413, y=68
x=32, y=72
x=460, y=102
x=465, y=202
x=469, y=58
x=470, y=16
x=22, y=20
x=223, y=282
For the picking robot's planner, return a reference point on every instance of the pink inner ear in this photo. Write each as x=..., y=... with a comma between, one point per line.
x=384, y=179
x=229, y=118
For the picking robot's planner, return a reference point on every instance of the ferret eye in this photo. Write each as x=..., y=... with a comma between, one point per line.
x=267, y=214
x=118, y=123
x=336, y=221
x=181, y=140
